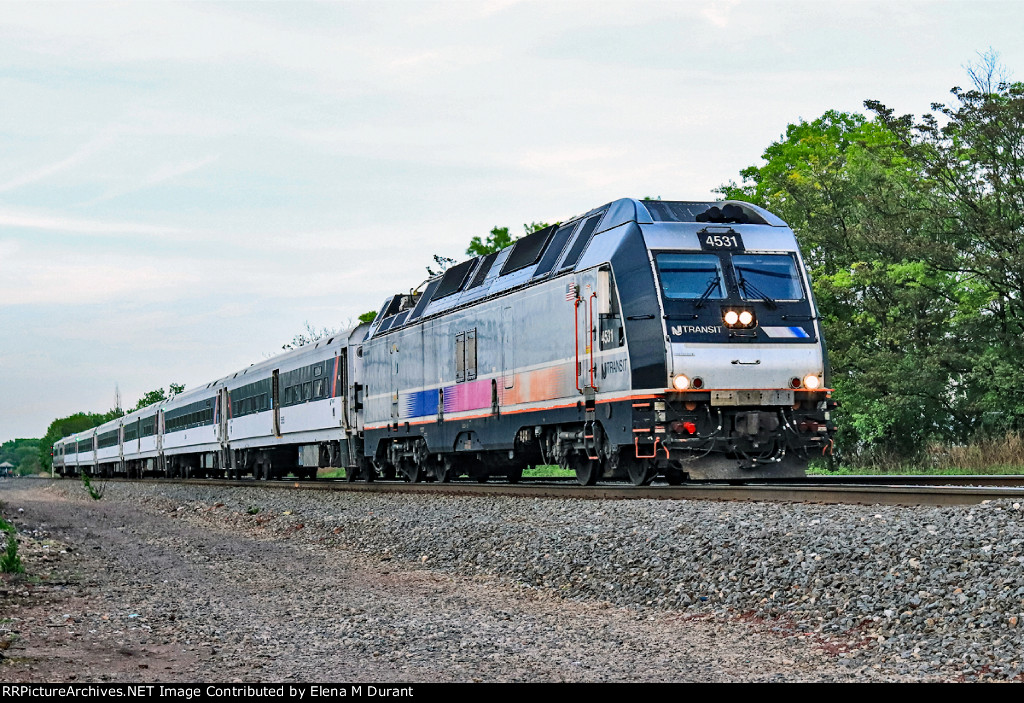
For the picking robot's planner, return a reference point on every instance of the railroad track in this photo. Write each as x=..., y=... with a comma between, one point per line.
x=869, y=490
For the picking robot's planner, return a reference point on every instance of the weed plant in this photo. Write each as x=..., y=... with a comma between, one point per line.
x=94, y=493
x=10, y=562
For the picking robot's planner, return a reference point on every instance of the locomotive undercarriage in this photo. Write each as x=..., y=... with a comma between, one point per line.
x=668, y=437
x=707, y=443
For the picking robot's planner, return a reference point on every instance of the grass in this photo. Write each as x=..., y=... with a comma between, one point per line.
x=10, y=562
x=536, y=472
x=914, y=470
x=547, y=471
x=983, y=456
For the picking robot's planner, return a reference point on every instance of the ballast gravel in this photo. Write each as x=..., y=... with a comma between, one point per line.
x=521, y=589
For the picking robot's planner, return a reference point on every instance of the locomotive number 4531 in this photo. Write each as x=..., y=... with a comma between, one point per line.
x=710, y=240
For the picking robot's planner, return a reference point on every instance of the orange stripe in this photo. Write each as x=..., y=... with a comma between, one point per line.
x=648, y=396
x=516, y=412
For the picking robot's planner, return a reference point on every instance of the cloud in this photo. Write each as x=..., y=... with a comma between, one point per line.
x=76, y=158
x=33, y=277
x=60, y=223
x=164, y=173
x=718, y=13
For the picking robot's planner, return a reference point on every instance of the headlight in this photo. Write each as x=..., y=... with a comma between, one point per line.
x=811, y=382
x=681, y=382
x=743, y=319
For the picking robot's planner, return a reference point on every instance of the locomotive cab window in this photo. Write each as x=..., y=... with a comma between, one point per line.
x=767, y=276
x=691, y=276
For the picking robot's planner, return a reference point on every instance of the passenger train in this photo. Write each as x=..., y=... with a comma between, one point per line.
x=642, y=339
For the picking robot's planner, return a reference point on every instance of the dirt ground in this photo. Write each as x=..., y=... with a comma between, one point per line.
x=128, y=590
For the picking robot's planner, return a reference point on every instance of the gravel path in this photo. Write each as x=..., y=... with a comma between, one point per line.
x=181, y=583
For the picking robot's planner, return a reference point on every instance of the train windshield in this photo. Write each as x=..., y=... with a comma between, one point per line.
x=767, y=277
x=689, y=276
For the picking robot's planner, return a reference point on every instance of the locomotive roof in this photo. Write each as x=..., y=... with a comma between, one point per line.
x=550, y=252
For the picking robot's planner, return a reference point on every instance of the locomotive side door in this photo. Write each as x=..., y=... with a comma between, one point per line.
x=275, y=390
x=508, y=348
x=224, y=413
x=585, y=303
x=393, y=378
x=159, y=462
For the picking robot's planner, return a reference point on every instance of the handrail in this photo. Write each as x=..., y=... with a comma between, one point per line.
x=590, y=339
x=576, y=320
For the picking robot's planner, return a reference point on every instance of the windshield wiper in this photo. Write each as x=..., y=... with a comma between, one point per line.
x=712, y=284
x=751, y=288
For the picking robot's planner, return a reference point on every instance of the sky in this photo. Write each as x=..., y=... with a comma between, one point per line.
x=183, y=186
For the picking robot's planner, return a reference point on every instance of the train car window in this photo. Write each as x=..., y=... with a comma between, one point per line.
x=691, y=276
x=481, y=273
x=527, y=250
x=767, y=275
x=460, y=357
x=318, y=370
x=581, y=241
x=555, y=249
x=307, y=389
x=318, y=388
x=471, y=355
x=453, y=279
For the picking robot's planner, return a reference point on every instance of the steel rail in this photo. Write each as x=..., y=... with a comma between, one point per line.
x=793, y=492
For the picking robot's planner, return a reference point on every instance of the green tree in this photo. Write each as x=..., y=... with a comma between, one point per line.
x=67, y=426
x=158, y=396
x=440, y=265
x=971, y=156
x=309, y=336
x=23, y=454
x=499, y=238
x=851, y=193
x=914, y=233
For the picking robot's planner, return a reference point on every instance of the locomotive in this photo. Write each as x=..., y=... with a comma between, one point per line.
x=639, y=340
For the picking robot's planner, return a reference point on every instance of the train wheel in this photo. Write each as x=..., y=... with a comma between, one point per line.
x=412, y=471
x=443, y=470
x=675, y=477
x=514, y=475
x=641, y=473
x=587, y=470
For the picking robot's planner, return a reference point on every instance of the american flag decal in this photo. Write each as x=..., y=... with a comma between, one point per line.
x=570, y=291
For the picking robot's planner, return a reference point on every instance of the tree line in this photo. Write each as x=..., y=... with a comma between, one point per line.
x=912, y=230
x=80, y=422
